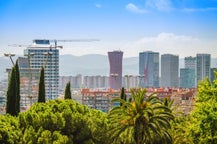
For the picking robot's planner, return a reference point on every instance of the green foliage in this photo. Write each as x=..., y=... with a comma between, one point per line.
x=9, y=130
x=180, y=130
x=41, y=89
x=140, y=121
x=99, y=125
x=204, y=116
x=56, y=121
x=59, y=121
x=68, y=94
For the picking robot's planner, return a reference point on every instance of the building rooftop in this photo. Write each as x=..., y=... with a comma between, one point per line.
x=41, y=42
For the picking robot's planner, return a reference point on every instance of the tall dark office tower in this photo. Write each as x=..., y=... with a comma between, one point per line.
x=202, y=67
x=149, y=69
x=169, y=70
x=115, y=76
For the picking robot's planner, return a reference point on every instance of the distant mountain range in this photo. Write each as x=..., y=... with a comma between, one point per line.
x=93, y=64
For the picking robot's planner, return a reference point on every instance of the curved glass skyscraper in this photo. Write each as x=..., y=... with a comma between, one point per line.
x=149, y=69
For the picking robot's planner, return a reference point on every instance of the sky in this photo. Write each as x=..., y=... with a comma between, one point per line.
x=179, y=27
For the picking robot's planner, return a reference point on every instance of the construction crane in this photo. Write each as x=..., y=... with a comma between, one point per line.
x=49, y=41
x=73, y=40
x=52, y=44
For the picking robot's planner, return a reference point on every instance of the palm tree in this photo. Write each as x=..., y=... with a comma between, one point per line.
x=140, y=121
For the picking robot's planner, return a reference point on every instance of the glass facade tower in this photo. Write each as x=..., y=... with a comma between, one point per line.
x=149, y=69
x=202, y=66
x=187, y=74
x=169, y=70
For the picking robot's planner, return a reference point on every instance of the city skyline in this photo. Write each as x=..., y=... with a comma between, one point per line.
x=182, y=28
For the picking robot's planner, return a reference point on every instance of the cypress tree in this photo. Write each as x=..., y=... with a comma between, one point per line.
x=17, y=87
x=41, y=89
x=68, y=94
x=11, y=94
x=123, y=95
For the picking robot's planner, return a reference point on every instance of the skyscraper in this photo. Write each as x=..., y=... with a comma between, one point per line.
x=187, y=74
x=41, y=54
x=190, y=62
x=115, y=75
x=202, y=66
x=187, y=78
x=169, y=70
x=149, y=69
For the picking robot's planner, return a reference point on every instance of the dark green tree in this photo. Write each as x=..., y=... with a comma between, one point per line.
x=41, y=89
x=68, y=94
x=17, y=87
x=11, y=94
x=123, y=95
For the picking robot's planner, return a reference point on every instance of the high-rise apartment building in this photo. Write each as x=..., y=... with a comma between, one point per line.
x=190, y=62
x=131, y=81
x=41, y=54
x=187, y=74
x=202, y=67
x=149, y=69
x=169, y=70
x=187, y=78
x=115, y=75
x=75, y=81
x=95, y=82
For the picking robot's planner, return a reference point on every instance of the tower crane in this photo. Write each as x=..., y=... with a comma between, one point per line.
x=49, y=41
x=72, y=40
x=52, y=44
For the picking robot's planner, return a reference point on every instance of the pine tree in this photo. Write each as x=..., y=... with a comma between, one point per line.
x=68, y=94
x=41, y=89
x=17, y=87
x=11, y=94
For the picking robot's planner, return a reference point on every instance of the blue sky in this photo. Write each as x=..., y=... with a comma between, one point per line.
x=182, y=27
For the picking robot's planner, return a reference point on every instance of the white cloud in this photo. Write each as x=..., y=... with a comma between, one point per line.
x=170, y=43
x=166, y=6
x=133, y=8
x=161, y=5
x=98, y=5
